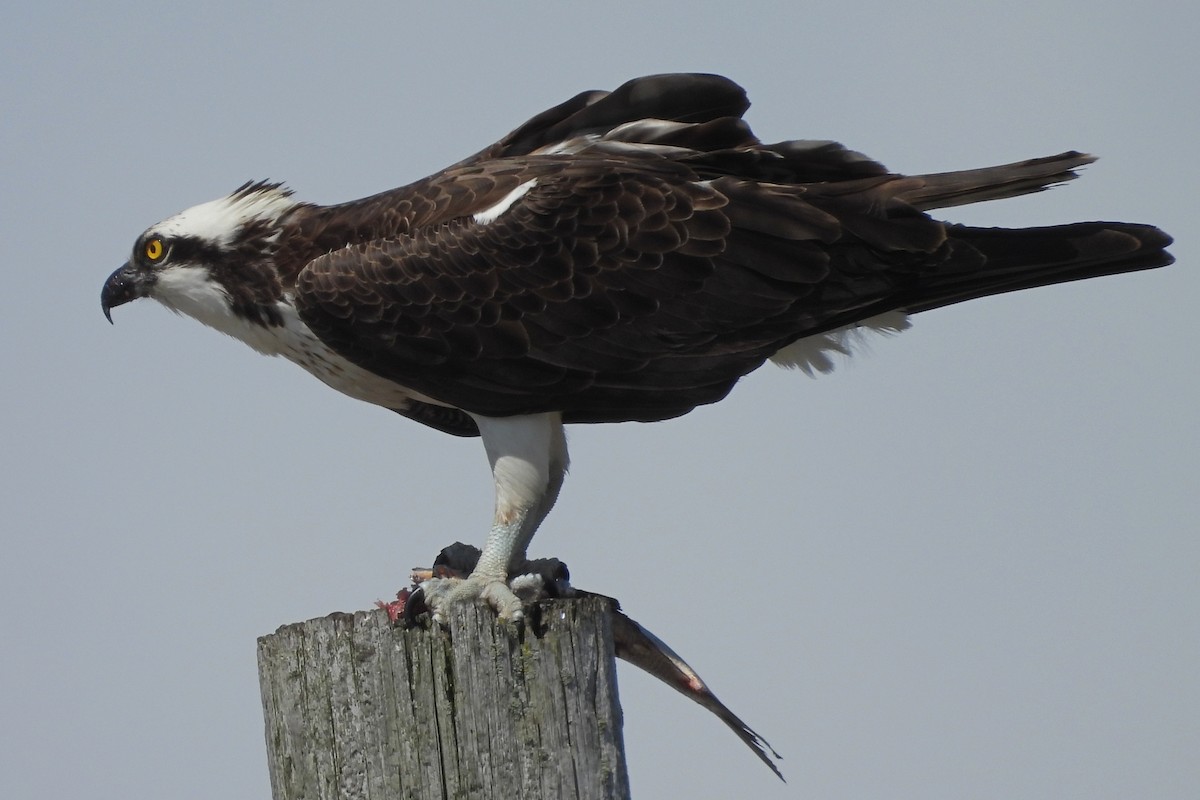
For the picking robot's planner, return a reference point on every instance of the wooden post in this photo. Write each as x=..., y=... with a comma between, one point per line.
x=356, y=708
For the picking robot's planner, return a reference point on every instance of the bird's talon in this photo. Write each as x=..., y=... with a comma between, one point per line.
x=440, y=595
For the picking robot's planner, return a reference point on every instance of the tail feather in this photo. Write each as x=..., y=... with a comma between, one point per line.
x=1007, y=260
x=946, y=189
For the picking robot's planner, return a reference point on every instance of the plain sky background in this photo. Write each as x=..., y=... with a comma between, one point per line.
x=963, y=566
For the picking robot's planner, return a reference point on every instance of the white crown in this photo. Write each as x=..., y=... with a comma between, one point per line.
x=218, y=221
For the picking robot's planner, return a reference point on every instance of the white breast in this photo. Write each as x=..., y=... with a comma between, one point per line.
x=189, y=291
x=297, y=343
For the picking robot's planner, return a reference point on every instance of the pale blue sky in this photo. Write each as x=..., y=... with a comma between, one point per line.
x=964, y=565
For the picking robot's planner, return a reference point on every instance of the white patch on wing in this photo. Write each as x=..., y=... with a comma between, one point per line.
x=816, y=353
x=218, y=221
x=642, y=129
x=569, y=147
x=490, y=215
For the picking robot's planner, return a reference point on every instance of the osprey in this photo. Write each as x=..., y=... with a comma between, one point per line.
x=623, y=256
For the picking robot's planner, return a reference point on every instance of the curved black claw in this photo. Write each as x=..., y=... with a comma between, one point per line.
x=416, y=612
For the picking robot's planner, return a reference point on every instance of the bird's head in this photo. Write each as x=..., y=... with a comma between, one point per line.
x=214, y=261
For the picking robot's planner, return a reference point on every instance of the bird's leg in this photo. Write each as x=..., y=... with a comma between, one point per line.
x=557, y=473
x=528, y=456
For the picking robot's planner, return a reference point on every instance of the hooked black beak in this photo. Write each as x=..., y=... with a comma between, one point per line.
x=127, y=283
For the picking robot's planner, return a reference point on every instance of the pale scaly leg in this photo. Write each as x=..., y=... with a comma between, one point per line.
x=528, y=455
x=559, y=461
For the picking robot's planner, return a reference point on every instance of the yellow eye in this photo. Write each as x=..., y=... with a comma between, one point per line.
x=155, y=249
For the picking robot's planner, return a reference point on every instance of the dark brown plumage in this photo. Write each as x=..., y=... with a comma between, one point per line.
x=663, y=253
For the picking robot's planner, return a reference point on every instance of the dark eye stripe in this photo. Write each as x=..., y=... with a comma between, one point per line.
x=191, y=248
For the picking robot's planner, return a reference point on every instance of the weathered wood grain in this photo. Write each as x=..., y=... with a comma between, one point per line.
x=355, y=708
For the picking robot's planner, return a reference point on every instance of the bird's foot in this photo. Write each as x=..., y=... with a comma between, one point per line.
x=451, y=582
x=440, y=595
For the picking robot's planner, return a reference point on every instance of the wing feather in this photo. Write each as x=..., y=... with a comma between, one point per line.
x=660, y=253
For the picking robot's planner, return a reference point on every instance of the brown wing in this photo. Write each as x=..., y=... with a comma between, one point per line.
x=691, y=119
x=663, y=253
x=683, y=98
x=614, y=290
